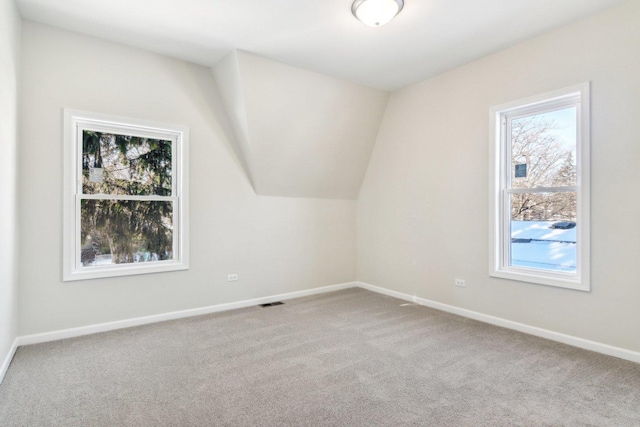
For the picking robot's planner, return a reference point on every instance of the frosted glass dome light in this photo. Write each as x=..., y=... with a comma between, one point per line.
x=376, y=12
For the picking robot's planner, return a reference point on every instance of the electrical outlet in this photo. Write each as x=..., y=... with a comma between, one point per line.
x=232, y=277
x=461, y=283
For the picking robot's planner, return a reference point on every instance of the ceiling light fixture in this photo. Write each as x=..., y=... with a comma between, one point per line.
x=376, y=12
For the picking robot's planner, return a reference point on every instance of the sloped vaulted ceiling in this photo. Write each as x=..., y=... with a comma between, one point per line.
x=302, y=134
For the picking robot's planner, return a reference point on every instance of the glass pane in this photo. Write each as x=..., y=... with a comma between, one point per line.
x=125, y=231
x=544, y=231
x=125, y=165
x=543, y=149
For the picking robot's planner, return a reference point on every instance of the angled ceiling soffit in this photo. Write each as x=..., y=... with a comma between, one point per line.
x=300, y=133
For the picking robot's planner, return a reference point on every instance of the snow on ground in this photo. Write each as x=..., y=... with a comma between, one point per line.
x=551, y=249
x=103, y=260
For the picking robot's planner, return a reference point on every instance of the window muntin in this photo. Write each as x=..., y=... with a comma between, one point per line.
x=126, y=196
x=540, y=190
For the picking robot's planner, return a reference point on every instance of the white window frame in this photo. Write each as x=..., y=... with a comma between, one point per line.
x=75, y=122
x=499, y=215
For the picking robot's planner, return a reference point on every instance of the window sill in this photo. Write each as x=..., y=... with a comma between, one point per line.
x=98, y=272
x=540, y=278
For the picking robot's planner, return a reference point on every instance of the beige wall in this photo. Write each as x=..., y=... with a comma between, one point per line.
x=423, y=208
x=9, y=82
x=276, y=245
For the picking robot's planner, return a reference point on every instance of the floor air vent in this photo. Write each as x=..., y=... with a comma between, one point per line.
x=271, y=304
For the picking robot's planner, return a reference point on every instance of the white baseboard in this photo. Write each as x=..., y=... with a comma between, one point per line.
x=610, y=350
x=127, y=323
x=7, y=360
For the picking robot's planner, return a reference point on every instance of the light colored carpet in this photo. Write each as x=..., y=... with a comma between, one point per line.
x=348, y=358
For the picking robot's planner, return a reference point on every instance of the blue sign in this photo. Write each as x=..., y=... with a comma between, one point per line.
x=521, y=170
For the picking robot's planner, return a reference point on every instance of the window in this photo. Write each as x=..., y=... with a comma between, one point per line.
x=540, y=189
x=126, y=196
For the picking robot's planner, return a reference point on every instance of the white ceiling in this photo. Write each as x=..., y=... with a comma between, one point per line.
x=425, y=39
